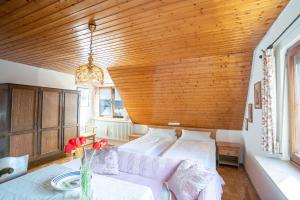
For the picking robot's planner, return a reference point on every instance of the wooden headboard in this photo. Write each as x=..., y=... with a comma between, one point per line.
x=178, y=130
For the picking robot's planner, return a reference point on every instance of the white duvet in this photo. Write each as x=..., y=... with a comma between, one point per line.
x=204, y=151
x=149, y=145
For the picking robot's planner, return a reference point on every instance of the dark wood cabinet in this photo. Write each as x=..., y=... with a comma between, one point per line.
x=50, y=121
x=3, y=146
x=23, y=120
x=22, y=144
x=4, y=120
x=4, y=108
x=23, y=108
x=70, y=115
x=37, y=121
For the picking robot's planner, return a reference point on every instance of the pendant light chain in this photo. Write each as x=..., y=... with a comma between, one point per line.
x=91, y=43
x=89, y=74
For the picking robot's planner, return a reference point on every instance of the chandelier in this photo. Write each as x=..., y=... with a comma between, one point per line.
x=89, y=74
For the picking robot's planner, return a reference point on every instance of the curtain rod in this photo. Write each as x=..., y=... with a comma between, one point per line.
x=271, y=45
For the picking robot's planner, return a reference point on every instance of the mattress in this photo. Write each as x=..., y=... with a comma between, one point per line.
x=149, y=145
x=204, y=151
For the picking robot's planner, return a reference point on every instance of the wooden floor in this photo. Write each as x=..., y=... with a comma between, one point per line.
x=237, y=184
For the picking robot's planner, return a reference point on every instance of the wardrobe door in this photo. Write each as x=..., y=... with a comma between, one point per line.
x=50, y=121
x=70, y=132
x=70, y=115
x=3, y=146
x=23, y=120
x=4, y=120
x=4, y=110
x=22, y=144
x=23, y=110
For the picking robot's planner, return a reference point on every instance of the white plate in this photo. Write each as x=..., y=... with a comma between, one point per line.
x=67, y=181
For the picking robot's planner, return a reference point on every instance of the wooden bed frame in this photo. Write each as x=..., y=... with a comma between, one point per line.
x=178, y=129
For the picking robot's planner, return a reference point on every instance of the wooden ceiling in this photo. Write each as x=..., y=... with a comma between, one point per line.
x=146, y=36
x=207, y=92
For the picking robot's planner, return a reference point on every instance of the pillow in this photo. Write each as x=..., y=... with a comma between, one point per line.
x=195, y=135
x=189, y=180
x=162, y=132
x=105, y=160
x=153, y=167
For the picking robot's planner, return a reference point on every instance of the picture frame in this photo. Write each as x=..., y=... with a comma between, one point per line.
x=84, y=96
x=250, y=112
x=246, y=124
x=257, y=95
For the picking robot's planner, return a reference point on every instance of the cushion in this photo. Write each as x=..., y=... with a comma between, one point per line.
x=154, y=167
x=195, y=135
x=189, y=180
x=106, y=160
x=162, y=132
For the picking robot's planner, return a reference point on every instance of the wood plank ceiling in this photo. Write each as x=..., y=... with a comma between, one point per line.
x=187, y=61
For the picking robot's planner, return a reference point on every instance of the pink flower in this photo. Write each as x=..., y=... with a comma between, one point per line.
x=69, y=148
x=96, y=145
x=82, y=140
x=104, y=142
x=100, y=144
x=75, y=142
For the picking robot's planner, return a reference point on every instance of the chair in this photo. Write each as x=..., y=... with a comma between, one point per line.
x=13, y=167
x=89, y=133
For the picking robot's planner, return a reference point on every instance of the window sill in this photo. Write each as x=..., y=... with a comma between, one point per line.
x=110, y=119
x=283, y=174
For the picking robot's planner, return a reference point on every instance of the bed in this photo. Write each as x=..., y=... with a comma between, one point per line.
x=163, y=144
x=205, y=151
x=154, y=143
x=152, y=188
x=199, y=144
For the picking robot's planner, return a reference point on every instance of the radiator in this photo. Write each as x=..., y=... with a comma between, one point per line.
x=113, y=129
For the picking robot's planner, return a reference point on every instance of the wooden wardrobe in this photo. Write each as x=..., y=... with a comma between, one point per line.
x=37, y=121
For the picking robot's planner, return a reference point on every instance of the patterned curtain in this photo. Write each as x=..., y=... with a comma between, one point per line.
x=268, y=141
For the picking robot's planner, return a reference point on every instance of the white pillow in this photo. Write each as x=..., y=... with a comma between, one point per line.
x=189, y=179
x=195, y=135
x=162, y=132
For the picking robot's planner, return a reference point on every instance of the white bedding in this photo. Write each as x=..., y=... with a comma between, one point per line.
x=149, y=145
x=156, y=188
x=36, y=186
x=204, y=151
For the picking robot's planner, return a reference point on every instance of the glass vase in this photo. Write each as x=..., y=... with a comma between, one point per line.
x=85, y=183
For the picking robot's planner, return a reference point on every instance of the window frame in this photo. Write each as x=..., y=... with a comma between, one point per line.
x=293, y=52
x=112, y=99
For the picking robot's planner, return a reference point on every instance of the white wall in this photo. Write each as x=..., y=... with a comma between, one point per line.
x=265, y=188
x=11, y=72
x=253, y=135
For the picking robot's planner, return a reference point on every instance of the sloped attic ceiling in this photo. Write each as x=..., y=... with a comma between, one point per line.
x=187, y=61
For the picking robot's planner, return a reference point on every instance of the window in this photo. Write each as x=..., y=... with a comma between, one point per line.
x=84, y=96
x=110, y=103
x=294, y=101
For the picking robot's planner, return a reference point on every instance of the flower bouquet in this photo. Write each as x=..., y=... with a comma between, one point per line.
x=85, y=170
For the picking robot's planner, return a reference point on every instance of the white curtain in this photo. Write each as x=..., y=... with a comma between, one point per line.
x=268, y=142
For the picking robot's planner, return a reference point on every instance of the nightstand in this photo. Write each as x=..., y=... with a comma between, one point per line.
x=228, y=153
x=134, y=136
